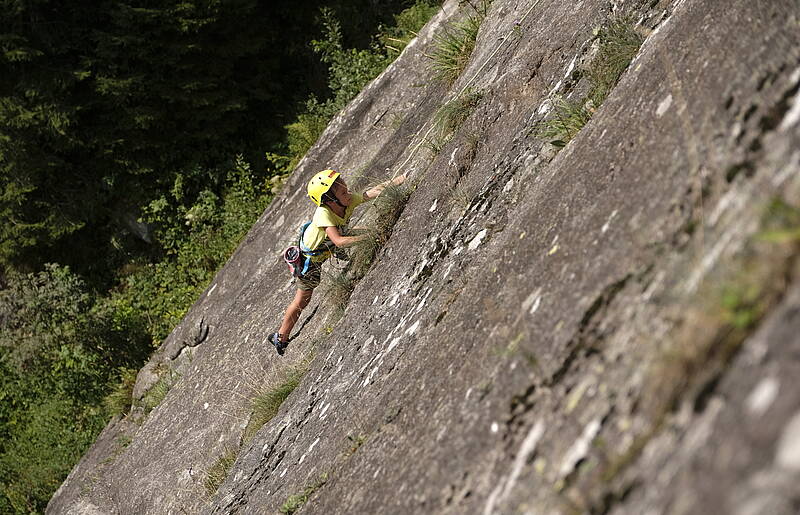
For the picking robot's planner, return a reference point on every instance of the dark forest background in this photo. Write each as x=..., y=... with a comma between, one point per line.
x=139, y=141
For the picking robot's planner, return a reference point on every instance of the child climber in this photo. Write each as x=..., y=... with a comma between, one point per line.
x=335, y=206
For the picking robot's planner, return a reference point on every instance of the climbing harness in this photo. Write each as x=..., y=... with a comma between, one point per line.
x=298, y=257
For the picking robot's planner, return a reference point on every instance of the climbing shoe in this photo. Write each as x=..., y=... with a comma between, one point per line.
x=275, y=339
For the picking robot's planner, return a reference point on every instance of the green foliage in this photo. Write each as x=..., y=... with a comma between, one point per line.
x=198, y=237
x=619, y=44
x=296, y=501
x=267, y=403
x=781, y=223
x=406, y=26
x=219, y=471
x=454, y=46
x=349, y=70
x=119, y=400
x=568, y=119
x=40, y=452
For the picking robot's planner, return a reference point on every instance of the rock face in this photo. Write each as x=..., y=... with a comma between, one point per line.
x=610, y=328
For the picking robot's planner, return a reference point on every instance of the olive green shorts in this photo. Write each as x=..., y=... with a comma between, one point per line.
x=311, y=278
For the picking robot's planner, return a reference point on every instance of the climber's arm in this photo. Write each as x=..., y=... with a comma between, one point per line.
x=377, y=190
x=341, y=241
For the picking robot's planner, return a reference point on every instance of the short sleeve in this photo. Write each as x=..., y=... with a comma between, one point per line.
x=323, y=218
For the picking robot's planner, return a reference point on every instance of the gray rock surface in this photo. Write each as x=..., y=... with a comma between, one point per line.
x=544, y=332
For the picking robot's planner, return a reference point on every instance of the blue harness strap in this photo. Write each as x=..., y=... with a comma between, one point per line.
x=307, y=252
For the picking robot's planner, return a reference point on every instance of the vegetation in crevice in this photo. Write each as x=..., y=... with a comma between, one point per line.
x=450, y=117
x=453, y=47
x=728, y=307
x=619, y=42
x=217, y=473
x=267, y=402
x=384, y=213
x=296, y=501
x=158, y=392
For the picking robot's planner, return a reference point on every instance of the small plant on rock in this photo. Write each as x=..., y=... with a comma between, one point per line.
x=619, y=44
x=267, y=403
x=568, y=119
x=219, y=471
x=453, y=48
x=296, y=501
x=451, y=115
x=158, y=392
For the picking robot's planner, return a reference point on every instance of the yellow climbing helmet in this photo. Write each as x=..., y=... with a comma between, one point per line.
x=320, y=184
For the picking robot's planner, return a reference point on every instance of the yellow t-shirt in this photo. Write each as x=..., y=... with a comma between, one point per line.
x=315, y=235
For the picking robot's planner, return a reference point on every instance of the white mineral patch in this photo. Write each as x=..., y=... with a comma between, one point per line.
x=526, y=449
x=788, y=453
x=793, y=116
x=533, y=301
x=447, y=272
x=458, y=251
x=413, y=328
x=579, y=449
x=323, y=411
x=279, y=222
x=608, y=222
x=509, y=185
x=394, y=300
x=477, y=240
x=433, y=207
x=393, y=344
x=284, y=472
x=311, y=448
x=375, y=300
x=211, y=290
x=571, y=66
x=544, y=107
x=762, y=396
x=664, y=105
x=205, y=405
x=453, y=157
x=469, y=392
x=495, y=427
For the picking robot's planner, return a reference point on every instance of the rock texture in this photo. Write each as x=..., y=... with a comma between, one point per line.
x=611, y=328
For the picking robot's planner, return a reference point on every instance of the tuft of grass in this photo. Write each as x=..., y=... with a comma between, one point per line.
x=781, y=223
x=619, y=44
x=454, y=46
x=340, y=288
x=267, y=403
x=450, y=116
x=158, y=392
x=219, y=471
x=387, y=206
x=296, y=501
x=568, y=119
x=119, y=401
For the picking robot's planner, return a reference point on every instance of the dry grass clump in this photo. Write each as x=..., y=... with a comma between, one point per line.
x=267, y=402
x=453, y=47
